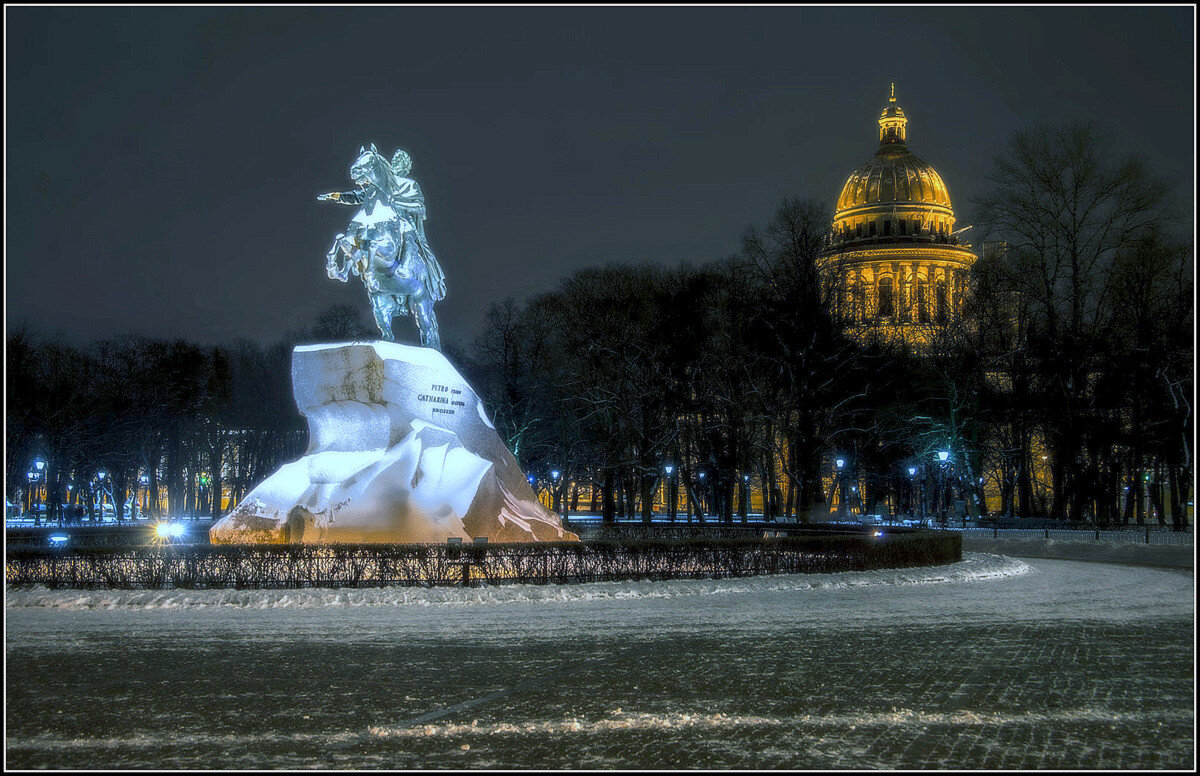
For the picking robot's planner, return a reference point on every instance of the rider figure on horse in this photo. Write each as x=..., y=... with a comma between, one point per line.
x=386, y=243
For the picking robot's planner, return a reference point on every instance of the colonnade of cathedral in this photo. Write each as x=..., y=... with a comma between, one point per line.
x=901, y=292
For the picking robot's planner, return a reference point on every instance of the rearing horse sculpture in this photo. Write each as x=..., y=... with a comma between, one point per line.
x=385, y=244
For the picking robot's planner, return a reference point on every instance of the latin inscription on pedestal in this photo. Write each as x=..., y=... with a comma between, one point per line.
x=445, y=400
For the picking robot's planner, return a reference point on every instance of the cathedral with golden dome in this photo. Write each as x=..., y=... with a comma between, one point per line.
x=893, y=264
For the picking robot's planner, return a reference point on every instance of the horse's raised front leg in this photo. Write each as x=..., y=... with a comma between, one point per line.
x=427, y=323
x=333, y=269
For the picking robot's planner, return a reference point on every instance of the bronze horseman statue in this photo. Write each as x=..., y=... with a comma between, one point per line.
x=385, y=244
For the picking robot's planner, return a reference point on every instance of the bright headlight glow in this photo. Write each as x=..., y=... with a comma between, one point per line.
x=169, y=530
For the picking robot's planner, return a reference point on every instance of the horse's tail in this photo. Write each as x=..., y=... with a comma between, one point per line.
x=435, y=279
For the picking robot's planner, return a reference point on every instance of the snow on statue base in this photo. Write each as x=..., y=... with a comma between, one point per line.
x=400, y=450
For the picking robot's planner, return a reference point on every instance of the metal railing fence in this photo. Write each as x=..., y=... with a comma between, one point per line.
x=429, y=565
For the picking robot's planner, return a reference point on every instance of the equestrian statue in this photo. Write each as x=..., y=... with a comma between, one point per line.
x=385, y=244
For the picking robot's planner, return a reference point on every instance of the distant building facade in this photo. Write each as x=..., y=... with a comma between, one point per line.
x=893, y=264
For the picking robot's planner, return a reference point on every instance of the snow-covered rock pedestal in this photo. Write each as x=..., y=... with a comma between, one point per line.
x=400, y=450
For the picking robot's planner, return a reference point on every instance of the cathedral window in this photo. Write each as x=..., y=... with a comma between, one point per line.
x=922, y=300
x=941, y=301
x=887, y=302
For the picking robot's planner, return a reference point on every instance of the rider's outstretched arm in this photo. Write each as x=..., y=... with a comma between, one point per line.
x=342, y=197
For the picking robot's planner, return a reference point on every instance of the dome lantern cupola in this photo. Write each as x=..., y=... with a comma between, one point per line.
x=892, y=121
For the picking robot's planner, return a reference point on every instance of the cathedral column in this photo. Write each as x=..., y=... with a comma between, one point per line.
x=897, y=291
x=861, y=313
x=910, y=293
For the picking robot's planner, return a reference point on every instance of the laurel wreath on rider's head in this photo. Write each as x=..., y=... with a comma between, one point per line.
x=401, y=162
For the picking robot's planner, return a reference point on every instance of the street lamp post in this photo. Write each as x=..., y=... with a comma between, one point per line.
x=145, y=483
x=840, y=485
x=68, y=506
x=671, y=493
x=31, y=478
x=39, y=478
x=943, y=487
x=744, y=507
x=912, y=491
x=100, y=499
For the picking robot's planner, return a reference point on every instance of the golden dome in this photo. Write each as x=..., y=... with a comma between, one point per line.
x=893, y=175
x=894, y=195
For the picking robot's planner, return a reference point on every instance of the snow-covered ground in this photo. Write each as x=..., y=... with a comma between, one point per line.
x=995, y=662
x=1179, y=556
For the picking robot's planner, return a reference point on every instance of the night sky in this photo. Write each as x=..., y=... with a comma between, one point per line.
x=162, y=164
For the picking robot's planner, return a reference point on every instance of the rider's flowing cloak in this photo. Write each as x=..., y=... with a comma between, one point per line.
x=408, y=191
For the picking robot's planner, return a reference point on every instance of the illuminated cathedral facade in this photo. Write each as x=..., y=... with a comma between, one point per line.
x=893, y=264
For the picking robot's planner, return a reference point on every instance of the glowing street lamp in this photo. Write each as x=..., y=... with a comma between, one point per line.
x=912, y=471
x=840, y=462
x=943, y=455
x=40, y=464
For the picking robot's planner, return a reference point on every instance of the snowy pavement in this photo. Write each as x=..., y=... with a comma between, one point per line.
x=991, y=663
x=1178, y=556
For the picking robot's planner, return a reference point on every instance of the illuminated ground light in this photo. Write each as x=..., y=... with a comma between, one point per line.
x=169, y=531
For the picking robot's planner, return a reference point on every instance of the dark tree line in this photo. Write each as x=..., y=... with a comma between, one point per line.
x=1087, y=317
x=156, y=417
x=1075, y=344
x=733, y=374
x=1072, y=363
